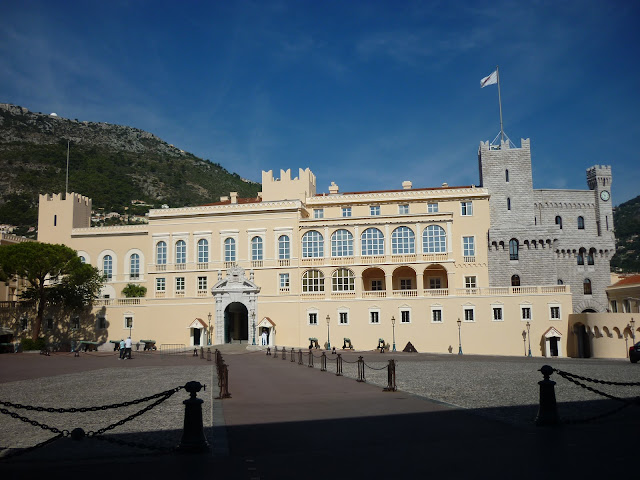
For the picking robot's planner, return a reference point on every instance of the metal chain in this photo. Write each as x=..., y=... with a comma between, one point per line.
x=89, y=409
x=591, y=389
x=64, y=433
x=347, y=361
x=134, y=415
x=593, y=380
x=373, y=368
x=156, y=448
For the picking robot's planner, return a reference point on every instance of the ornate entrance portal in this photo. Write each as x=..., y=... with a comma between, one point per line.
x=235, y=298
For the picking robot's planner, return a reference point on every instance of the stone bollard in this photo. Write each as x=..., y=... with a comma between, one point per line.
x=339, y=365
x=193, y=439
x=310, y=358
x=323, y=362
x=360, y=370
x=548, y=410
x=284, y=353
x=293, y=357
x=300, y=357
x=275, y=352
x=208, y=354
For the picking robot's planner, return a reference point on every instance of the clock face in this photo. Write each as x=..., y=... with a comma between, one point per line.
x=604, y=195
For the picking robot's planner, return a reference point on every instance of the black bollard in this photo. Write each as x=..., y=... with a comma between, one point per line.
x=548, y=410
x=208, y=354
x=193, y=439
x=268, y=350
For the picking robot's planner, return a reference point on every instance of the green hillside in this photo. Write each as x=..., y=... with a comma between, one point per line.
x=626, y=218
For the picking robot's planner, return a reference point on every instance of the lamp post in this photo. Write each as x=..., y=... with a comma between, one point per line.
x=529, y=335
x=253, y=323
x=524, y=341
x=459, y=336
x=393, y=326
x=209, y=330
x=328, y=337
x=633, y=327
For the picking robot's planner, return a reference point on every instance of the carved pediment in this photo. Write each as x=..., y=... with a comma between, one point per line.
x=235, y=281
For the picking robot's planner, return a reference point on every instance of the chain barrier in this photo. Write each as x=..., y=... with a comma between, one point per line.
x=293, y=358
x=223, y=377
x=360, y=370
x=311, y=359
x=339, y=365
x=548, y=413
x=374, y=368
x=391, y=377
x=300, y=356
x=284, y=353
x=79, y=433
x=323, y=362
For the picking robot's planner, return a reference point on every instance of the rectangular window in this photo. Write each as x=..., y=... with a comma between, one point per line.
x=405, y=316
x=202, y=283
x=432, y=207
x=526, y=313
x=555, y=313
x=374, y=210
x=466, y=209
x=497, y=314
x=468, y=246
x=344, y=318
x=469, y=314
x=180, y=284
x=318, y=213
x=161, y=284
x=24, y=323
x=284, y=281
x=346, y=211
x=313, y=318
x=75, y=323
x=434, y=283
x=470, y=282
x=50, y=323
x=614, y=306
x=403, y=209
x=376, y=285
x=102, y=323
x=128, y=322
x=436, y=316
x=374, y=317
x=405, y=284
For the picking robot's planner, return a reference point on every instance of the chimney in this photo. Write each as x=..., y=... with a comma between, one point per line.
x=333, y=189
x=234, y=197
x=406, y=185
x=224, y=199
x=445, y=185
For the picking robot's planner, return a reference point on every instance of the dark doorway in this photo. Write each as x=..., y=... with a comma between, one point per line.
x=584, y=342
x=196, y=336
x=236, y=323
x=553, y=346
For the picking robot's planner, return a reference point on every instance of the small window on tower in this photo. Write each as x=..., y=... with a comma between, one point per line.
x=508, y=204
x=506, y=175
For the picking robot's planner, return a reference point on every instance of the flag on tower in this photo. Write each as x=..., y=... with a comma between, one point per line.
x=490, y=80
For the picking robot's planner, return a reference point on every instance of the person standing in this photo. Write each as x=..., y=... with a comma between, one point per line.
x=121, y=349
x=127, y=347
x=264, y=337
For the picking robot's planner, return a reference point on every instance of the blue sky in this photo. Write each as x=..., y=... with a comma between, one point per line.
x=366, y=94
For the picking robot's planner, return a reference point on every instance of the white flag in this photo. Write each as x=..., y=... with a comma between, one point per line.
x=490, y=80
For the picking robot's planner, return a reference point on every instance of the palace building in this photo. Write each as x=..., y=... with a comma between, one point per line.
x=495, y=268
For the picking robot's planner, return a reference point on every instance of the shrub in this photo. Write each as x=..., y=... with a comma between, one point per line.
x=29, y=344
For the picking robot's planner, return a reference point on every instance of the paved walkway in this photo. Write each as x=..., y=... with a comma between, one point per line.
x=288, y=421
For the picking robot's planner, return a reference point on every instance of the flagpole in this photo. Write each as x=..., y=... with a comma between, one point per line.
x=67, y=179
x=500, y=104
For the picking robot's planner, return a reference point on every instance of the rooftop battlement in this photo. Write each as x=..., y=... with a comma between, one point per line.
x=287, y=188
x=62, y=197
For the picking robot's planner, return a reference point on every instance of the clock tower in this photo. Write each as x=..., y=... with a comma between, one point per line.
x=599, y=181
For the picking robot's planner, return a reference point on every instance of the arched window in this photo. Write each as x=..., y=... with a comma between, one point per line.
x=284, y=247
x=82, y=259
x=513, y=249
x=256, y=248
x=506, y=175
x=560, y=282
x=343, y=280
x=591, y=257
x=181, y=252
x=107, y=267
x=580, y=223
x=161, y=253
x=559, y=221
x=515, y=280
x=313, y=281
x=580, y=256
x=341, y=243
x=587, y=286
x=312, y=245
x=508, y=203
x=372, y=242
x=203, y=250
x=134, y=267
x=434, y=240
x=403, y=241
x=229, y=250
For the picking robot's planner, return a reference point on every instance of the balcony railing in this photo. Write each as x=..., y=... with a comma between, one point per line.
x=343, y=294
x=202, y=293
x=405, y=293
x=256, y=263
x=374, y=294
x=469, y=259
x=284, y=262
x=181, y=266
x=284, y=290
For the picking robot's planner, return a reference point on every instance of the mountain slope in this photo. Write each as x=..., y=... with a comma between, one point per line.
x=112, y=164
x=626, y=218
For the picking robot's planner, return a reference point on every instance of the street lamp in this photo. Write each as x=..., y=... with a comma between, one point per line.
x=459, y=337
x=529, y=335
x=633, y=327
x=253, y=322
x=209, y=330
x=393, y=326
x=524, y=341
x=328, y=338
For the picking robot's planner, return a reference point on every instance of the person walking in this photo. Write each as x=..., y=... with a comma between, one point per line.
x=121, y=349
x=127, y=348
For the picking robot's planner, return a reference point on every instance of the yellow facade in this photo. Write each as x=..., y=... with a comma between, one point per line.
x=302, y=265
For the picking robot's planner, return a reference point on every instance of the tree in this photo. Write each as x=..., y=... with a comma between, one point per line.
x=55, y=275
x=133, y=290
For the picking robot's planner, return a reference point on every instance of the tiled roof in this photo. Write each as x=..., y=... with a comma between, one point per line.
x=630, y=280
